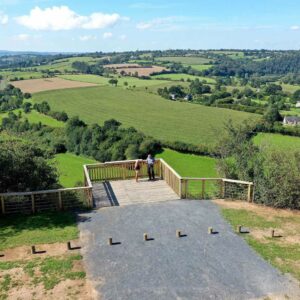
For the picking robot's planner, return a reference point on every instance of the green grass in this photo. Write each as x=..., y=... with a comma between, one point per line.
x=188, y=60
x=44, y=228
x=190, y=165
x=24, y=74
x=132, y=81
x=184, y=77
x=278, y=141
x=36, y=117
x=151, y=114
x=199, y=67
x=70, y=168
x=282, y=255
x=289, y=88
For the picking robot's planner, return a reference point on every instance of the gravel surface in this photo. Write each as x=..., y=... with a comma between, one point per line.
x=196, y=266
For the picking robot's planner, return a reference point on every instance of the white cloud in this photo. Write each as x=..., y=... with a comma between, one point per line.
x=63, y=18
x=107, y=35
x=161, y=24
x=84, y=38
x=22, y=37
x=295, y=27
x=3, y=18
x=123, y=37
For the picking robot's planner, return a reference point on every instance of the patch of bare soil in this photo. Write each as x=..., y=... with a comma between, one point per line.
x=40, y=85
x=24, y=252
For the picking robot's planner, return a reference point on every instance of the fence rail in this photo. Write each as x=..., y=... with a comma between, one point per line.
x=82, y=197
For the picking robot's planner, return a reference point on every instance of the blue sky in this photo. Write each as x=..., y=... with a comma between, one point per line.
x=117, y=25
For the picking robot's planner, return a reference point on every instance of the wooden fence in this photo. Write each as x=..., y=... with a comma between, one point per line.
x=82, y=197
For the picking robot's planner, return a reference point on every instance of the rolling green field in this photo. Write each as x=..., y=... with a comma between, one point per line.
x=199, y=67
x=278, y=141
x=132, y=81
x=190, y=165
x=36, y=117
x=184, y=77
x=188, y=60
x=149, y=113
x=24, y=74
x=70, y=168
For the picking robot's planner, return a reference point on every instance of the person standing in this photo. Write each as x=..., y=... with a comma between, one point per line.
x=137, y=168
x=150, y=167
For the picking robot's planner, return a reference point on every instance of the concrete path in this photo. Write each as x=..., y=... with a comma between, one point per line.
x=127, y=192
x=197, y=266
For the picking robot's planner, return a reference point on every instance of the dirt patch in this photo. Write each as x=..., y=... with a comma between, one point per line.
x=24, y=252
x=39, y=85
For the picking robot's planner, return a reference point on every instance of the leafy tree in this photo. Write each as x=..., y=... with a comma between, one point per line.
x=272, y=114
x=113, y=81
x=27, y=107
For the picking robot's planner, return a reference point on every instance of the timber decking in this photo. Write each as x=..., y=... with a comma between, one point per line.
x=127, y=192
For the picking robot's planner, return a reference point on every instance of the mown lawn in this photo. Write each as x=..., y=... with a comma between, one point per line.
x=149, y=113
x=190, y=165
x=283, y=252
x=44, y=228
x=278, y=141
x=70, y=168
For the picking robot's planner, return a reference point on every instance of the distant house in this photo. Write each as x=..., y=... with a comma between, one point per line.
x=188, y=97
x=173, y=96
x=298, y=104
x=291, y=121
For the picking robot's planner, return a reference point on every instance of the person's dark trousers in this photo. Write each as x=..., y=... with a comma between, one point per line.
x=151, y=172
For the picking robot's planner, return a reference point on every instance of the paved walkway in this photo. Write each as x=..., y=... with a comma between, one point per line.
x=197, y=266
x=127, y=192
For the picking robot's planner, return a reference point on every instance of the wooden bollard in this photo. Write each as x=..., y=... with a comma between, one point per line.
x=272, y=233
x=33, y=250
x=178, y=233
x=110, y=242
x=145, y=237
x=69, y=246
x=210, y=230
x=239, y=228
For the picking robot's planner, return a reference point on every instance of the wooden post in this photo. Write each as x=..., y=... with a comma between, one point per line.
x=210, y=230
x=239, y=228
x=272, y=233
x=178, y=233
x=110, y=242
x=145, y=237
x=32, y=203
x=249, y=193
x=60, y=204
x=180, y=188
x=222, y=189
x=3, y=205
x=203, y=189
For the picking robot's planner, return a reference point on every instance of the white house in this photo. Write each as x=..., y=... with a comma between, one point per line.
x=298, y=104
x=291, y=120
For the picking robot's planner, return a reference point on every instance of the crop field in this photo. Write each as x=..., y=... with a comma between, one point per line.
x=185, y=77
x=142, y=71
x=70, y=168
x=47, y=84
x=153, y=115
x=278, y=141
x=100, y=80
x=190, y=165
x=188, y=60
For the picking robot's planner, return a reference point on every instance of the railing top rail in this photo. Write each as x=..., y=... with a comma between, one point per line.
x=166, y=164
x=115, y=163
x=45, y=191
x=200, y=178
x=87, y=176
x=237, y=181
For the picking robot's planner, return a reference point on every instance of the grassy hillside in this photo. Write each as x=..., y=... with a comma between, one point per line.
x=70, y=168
x=190, y=165
x=153, y=115
x=184, y=77
x=278, y=141
x=188, y=60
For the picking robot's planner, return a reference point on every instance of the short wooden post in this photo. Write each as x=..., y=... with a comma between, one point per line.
x=222, y=194
x=203, y=189
x=186, y=188
x=60, y=204
x=239, y=228
x=33, y=250
x=178, y=233
x=249, y=192
x=32, y=203
x=210, y=230
x=69, y=246
x=180, y=188
x=110, y=242
x=3, y=205
x=272, y=233
x=145, y=237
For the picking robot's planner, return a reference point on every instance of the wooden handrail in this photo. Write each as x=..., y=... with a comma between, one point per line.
x=166, y=164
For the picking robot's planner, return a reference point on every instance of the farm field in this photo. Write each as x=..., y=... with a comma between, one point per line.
x=185, y=77
x=36, y=117
x=132, y=81
x=9, y=75
x=278, y=141
x=188, y=60
x=70, y=168
x=199, y=67
x=153, y=115
x=289, y=88
x=38, y=85
x=142, y=71
x=190, y=165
